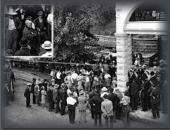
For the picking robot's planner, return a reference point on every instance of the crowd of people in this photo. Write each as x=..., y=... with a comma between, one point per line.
x=82, y=88
x=25, y=32
x=149, y=15
x=147, y=86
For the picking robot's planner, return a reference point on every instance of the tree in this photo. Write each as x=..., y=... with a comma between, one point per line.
x=72, y=34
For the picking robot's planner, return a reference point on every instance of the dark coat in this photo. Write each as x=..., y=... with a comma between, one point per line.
x=50, y=95
x=133, y=89
x=18, y=23
x=95, y=103
x=115, y=100
x=63, y=94
x=112, y=71
x=27, y=93
x=91, y=94
x=30, y=34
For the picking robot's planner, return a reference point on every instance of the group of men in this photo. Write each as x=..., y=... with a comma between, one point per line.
x=25, y=33
x=146, y=89
x=82, y=89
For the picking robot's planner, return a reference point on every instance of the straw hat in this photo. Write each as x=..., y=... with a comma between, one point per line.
x=47, y=45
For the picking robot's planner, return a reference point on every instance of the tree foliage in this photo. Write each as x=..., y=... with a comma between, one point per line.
x=72, y=31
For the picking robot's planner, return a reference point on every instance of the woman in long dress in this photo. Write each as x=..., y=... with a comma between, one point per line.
x=43, y=96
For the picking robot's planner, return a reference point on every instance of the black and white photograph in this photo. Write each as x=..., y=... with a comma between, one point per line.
x=108, y=68
x=28, y=30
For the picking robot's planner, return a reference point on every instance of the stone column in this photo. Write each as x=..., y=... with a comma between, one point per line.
x=124, y=59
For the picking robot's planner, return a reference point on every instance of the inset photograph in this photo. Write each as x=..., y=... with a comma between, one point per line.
x=28, y=30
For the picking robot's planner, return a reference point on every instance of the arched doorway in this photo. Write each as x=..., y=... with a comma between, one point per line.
x=126, y=28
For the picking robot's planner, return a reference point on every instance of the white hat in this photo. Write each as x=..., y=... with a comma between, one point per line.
x=107, y=76
x=12, y=12
x=47, y=45
x=104, y=89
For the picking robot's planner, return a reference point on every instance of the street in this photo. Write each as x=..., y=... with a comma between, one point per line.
x=39, y=117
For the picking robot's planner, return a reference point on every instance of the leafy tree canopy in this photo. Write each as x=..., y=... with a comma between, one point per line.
x=72, y=30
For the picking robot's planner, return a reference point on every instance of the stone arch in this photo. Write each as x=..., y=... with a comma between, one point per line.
x=135, y=6
x=124, y=12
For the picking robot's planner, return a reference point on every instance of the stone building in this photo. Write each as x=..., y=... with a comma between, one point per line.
x=126, y=28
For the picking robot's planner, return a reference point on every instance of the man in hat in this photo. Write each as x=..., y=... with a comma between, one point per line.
x=56, y=98
x=95, y=103
x=104, y=91
x=22, y=16
x=32, y=90
x=91, y=94
x=125, y=109
x=107, y=109
x=82, y=106
x=27, y=95
x=50, y=98
x=71, y=103
x=40, y=26
x=120, y=96
x=63, y=97
x=155, y=100
x=30, y=34
x=115, y=101
x=14, y=26
x=24, y=50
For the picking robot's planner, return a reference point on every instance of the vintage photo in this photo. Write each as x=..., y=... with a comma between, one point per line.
x=28, y=30
x=108, y=69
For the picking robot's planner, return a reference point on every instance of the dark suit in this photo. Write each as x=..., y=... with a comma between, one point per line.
x=155, y=102
x=27, y=96
x=95, y=103
x=50, y=99
x=31, y=35
x=63, y=98
x=115, y=100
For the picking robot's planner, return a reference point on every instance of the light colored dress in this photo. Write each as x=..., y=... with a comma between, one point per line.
x=43, y=97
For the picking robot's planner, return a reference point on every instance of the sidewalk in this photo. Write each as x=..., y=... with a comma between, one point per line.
x=146, y=117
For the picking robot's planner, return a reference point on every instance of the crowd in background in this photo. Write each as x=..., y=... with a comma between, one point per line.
x=149, y=15
x=147, y=86
x=28, y=28
x=77, y=89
